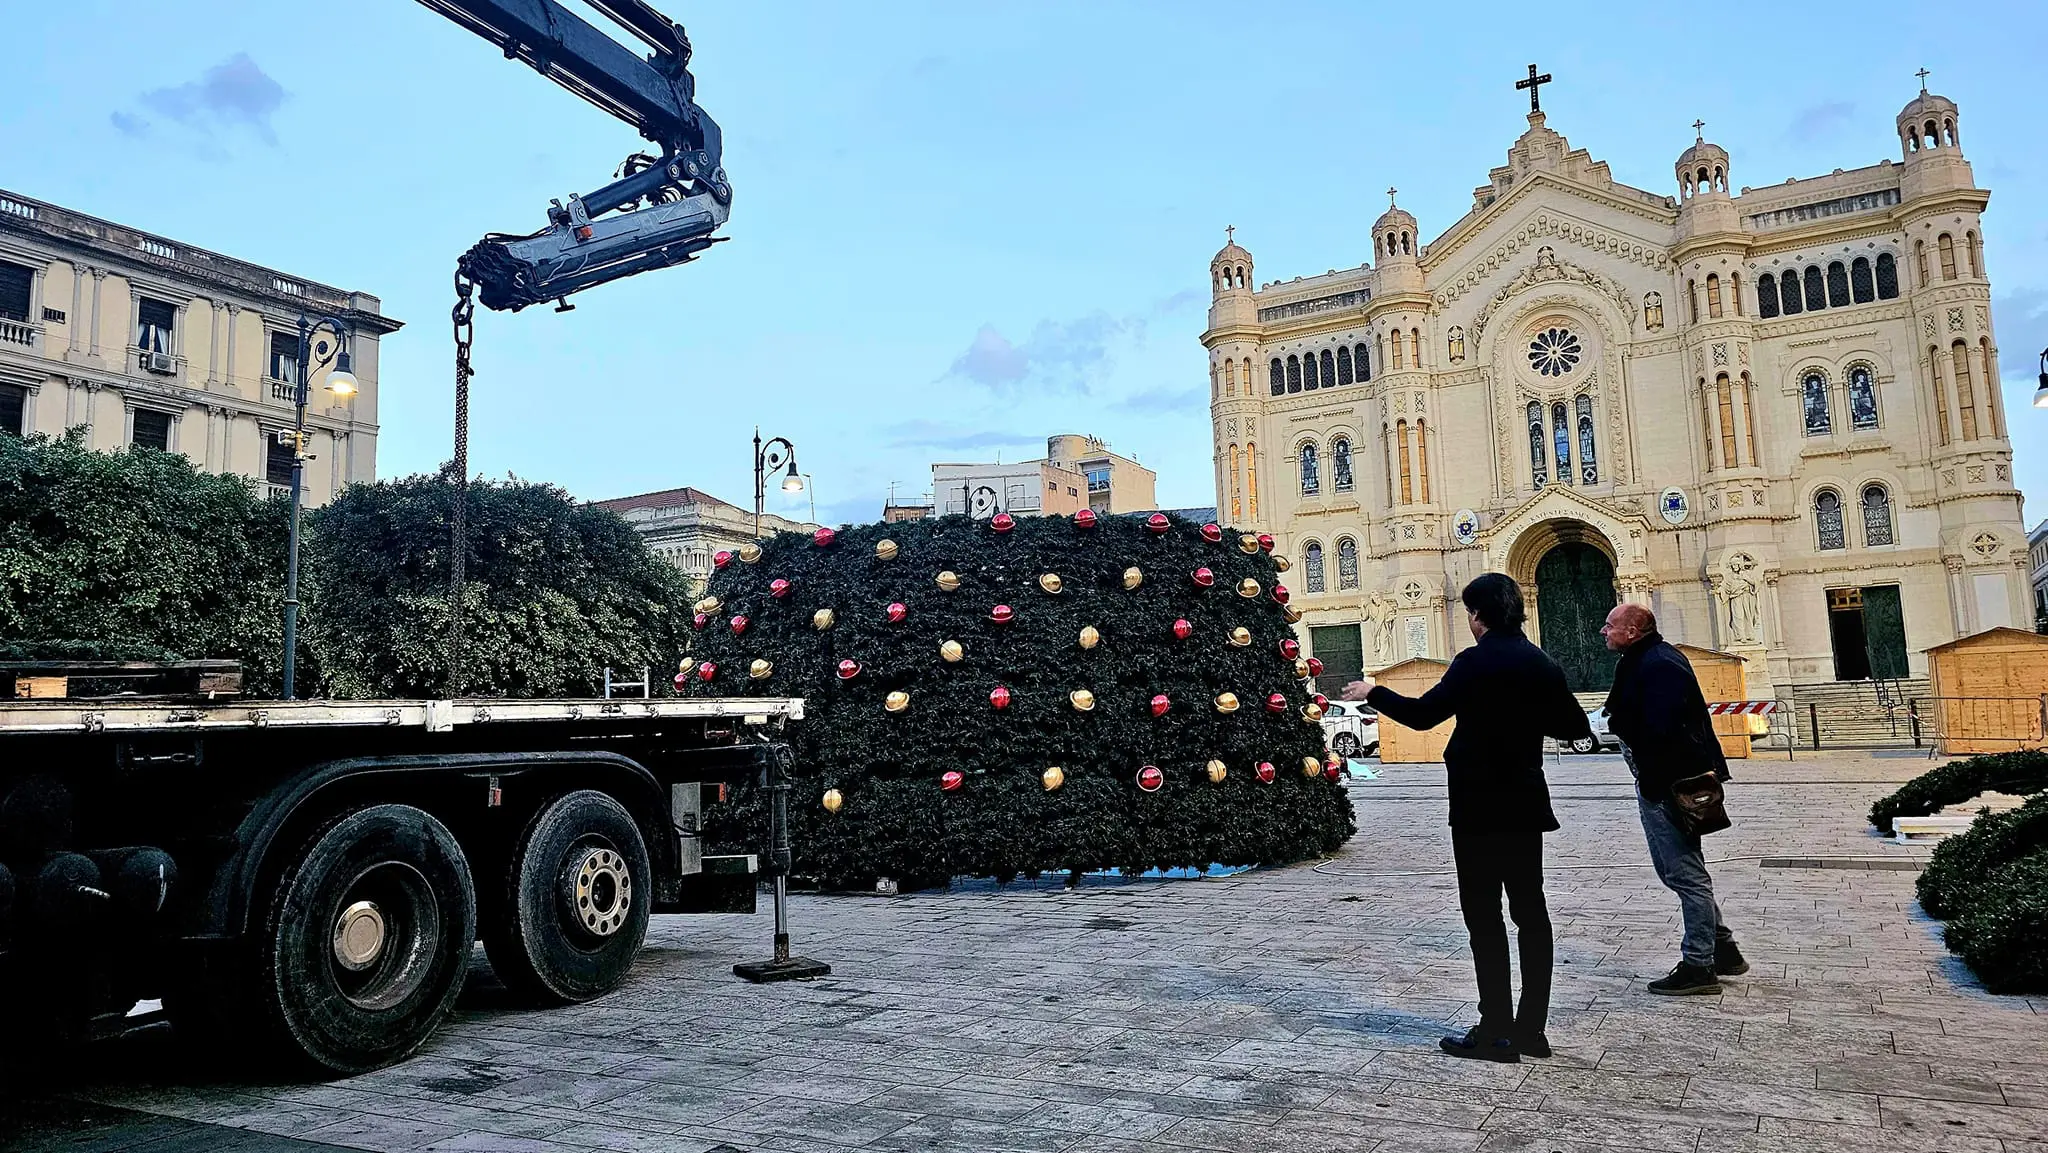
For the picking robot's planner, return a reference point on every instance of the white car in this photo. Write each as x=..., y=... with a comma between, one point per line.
x=1601, y=740
x=1351, y=729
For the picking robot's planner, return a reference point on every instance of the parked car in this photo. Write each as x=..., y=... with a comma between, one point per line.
x=1602, y=740
x=1352, y=729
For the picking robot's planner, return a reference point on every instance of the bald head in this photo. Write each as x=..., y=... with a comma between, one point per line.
x=1626, y=625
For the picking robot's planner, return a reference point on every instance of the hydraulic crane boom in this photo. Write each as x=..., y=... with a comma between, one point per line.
x=684, y=190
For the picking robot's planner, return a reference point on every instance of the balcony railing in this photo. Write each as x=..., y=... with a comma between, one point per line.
x=284, y=392
x=19, y=332
x=278, y=491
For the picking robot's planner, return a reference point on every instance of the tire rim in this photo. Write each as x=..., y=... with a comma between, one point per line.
x=386, y=926
x=600, y=891
x=1346, y=745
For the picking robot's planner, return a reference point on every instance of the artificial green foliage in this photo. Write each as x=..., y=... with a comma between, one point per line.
x=897, y=822
x=136, y=555
x=1963, y=865
x=2019, y=773
x=2002, y=934
x=555, y=592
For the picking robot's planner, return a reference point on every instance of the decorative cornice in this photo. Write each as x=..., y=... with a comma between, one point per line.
x=1554, y=271
x=1833, y=318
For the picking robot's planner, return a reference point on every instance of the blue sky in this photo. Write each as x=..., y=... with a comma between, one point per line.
x=957, y=227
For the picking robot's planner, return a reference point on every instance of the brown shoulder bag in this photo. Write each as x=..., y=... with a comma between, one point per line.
x=1700, y=805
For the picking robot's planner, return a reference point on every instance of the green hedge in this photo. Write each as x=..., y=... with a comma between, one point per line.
x=1964, y=866
x=2019, y=773
x=897, y=821
x=1990, y=883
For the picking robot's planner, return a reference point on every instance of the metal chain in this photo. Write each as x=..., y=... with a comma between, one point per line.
x=464, y=316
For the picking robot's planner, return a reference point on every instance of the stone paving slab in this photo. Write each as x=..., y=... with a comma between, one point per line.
x=1274, y=1011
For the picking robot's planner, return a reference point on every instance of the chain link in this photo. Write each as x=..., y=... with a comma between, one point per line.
x=464, y=317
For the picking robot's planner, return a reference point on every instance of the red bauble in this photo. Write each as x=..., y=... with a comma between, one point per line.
x=1003, y=522
x=1085, y=518
x=952, y=781
x=1150, y=778
x=1158, y=523
x=739, y=624
x=1315, y=667
x=1266, y=772
x=1330, y=771
x=999, y=697
x=1276, y=703
x=1160, y=704
x=1212, y=532
x=896, y=612
x=701, y=619
x=1290, y=648
x=778, y=588
x=721, y=558
x=1183, y=629
x=681, y=680
x=1001, y=614
x=1322, y=702
x=1204, y=577
x=1280, y=593
x=1265, y=542
x=823, y=537
x=706, y=671
x=848, y=669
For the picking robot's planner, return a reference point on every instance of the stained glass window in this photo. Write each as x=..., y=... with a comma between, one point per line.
x=1344, y=365
x=1838, y=285
x=1561, y=436
x=1539, y=472
x=1554, y=351
x=1329, y=370
x=1310, y=380
x=1859, y=280
x=1877, y=515
x=1347, y=563
x=1827, y=515
x=1887, y=277
x=1767, y=297
x=1788, y=292
x=1340, y=466
x=1862, y=398
x=1294, y=374
x=1311, y=479
x=1364, y=358
x=1312, y=564
x=1814, y=394
x=1816, y=295
x=1589, y=461
x=1279, y=377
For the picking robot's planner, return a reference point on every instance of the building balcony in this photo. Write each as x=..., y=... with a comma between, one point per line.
x=277, y=491
x=282, y=391
x=20, y=333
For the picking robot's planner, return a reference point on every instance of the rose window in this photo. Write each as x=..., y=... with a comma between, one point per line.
x=1554, y=351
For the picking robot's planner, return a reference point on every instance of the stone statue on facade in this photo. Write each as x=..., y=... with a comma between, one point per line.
x=1740, y=601
x=1379, y=629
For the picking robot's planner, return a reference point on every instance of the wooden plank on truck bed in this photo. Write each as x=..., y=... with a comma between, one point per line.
x=71, y=716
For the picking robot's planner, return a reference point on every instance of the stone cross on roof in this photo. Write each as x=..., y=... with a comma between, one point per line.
x=1534, y=84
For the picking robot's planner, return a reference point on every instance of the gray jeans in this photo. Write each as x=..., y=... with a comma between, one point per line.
x=1682, y=866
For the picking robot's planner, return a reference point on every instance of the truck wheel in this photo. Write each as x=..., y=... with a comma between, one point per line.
x=572, y=907
x=369, y=938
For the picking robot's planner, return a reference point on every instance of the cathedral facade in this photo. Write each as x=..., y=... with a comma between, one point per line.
x=1772, y=416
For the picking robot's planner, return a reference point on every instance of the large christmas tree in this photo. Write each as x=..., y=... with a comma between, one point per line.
x=995, y=698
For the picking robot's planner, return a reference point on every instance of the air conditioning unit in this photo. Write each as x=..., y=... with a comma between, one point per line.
x=161, y=363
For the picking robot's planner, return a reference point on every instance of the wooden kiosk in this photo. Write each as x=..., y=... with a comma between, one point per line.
x=1722, y=677
x=1988, y=692
x=1400, y=744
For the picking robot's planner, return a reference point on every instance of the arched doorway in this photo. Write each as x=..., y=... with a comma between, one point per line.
x=1574, y=591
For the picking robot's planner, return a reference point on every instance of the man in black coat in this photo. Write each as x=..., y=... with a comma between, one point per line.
x=1507, y=695
x=1658, y=712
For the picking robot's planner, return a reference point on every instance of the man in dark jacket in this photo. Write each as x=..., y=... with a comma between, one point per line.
x=1507, y=695
x=1660, y=716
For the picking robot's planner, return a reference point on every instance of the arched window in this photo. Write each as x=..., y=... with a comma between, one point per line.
x=1940, y=394
x=1989, y=364
x=1347, y=563
x=1539, y=471
x=1340, y=465
x=1344, y=364
x=1859, y=281
x=1713, y=296
x=1862, y=398
x=1966, y=389
x=1692, y=302
x=1407, y=467
x=1251, y=477
x=1788, y=293
x=1947, y=245
x=1561, y=440
x=1653, y=311
x=1976, y=255
x=1816, y=294
x=1456, y=345
x=1400, y=362
x=1312, y=567
x=1294, y=374
x=1838, y=285
x=1589, y=460
x=1230, y=377
x=1364, y=356
x=1707, y=423
x=1887, y=277
x=1415, y=346
x=1236, y=486
x=1422, y=455
x=1827, y=519
x=1920, y=263
x=1279, y=377
x=1767, y=297
x=1387, y=460
x=1735, y=291
x=1749, y=418
x=1813, y=392
x=1329, y=369
x=1311, y=474
x=1407, y=244
x=1311, y=380
x=1215, y=375
x=1724, y=400
x=1877, y=515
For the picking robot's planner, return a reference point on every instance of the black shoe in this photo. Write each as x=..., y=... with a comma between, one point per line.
x=1686, y=980
x=1728, y=960
x=1481, y=1046
x=1532, y=1044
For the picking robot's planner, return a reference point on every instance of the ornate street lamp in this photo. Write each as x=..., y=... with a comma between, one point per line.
x=767, y=458
x=342, y=383
x=2041, y=393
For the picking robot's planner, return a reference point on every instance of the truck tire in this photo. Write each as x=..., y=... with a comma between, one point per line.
x=572, y=905
x=368, y=939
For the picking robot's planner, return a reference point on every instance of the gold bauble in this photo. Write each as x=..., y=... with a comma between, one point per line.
x=1133, y=578
x=1311, y=767
x=1281, y=563
x=1226, y=702
x=1247, y=544
x=1050, y=582
x=1301, y=668
x=749, y=553
x=952, y=651
x=708, y=605
x=1052, y=778
x=1082, y=699
x=1240, y=636
x=1217, y=772
x=761, y=669
x=885, y=549
x=1312, y=711
x=897, y=701
x=1292, y=614
x=1090, y=637
x=1247, y=588
x=823, y=619
x=949, y=580
x=832, y=800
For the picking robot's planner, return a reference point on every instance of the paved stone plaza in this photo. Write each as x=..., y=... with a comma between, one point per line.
x=1287, y=1010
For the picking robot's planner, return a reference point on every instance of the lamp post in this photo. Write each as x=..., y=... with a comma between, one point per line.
x=811, y=487
x=2041, y=393
x=767, y=458
x=342, y=383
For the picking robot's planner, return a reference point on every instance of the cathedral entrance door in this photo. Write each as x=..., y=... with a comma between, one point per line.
x=1574, y=592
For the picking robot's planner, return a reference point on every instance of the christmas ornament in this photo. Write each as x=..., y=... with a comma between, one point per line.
x=1158, y=523
x=1290, y=648
x=1280, y=593
x=1226, y=702
x=1315, y=667
x=1281, y=563
x=1292, y=614
x=1160, y=704
x=1085, y=518
x=848, y=669
x=833, y=800
x=708, y=606
x=1300, y=669
x=1217, y=772
x=1081, y=699
x=824, y=537
x=778, y=588
x=1312, y=712
x=896, y=611
x=1322, y=701
x=1133, y=578
x=952, y=780
x=949, y=580
x=999, y=697
x=823, y=619
x=1247, y=544
x=739, y=624
x=761, y=669
x=1204, y=578
x=1150, y=778
x=1212, y=532
x=1053, y=777
x=1183, y=629
x=1266, y=542
x=1090, y=637
x=1275, y=703
x=951, y=651
x=1247, y=588
x=681, y=679
x=885, y=549
x=1265, y=772
x=706, y=671
x=1311, y=767
x=721, y=558
x=1003, y=522
x=749, y=553
x=700, y=620
x=1331, y=771
x=896, y=701
x=1240, y=636
x=1051, y=583
x=1001, y=614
